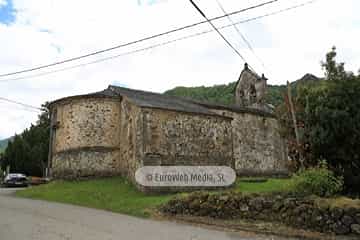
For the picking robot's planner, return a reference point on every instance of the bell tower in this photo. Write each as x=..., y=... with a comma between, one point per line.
x=250, y=89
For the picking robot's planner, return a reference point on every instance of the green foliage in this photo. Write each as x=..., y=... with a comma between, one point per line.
x=223, y=94
x=332, y=121
x=28, y=152
x=271, y=185
x=275, y=94
x=300, y=154
x=333, y=70
x=318, y=180
x=113, y=194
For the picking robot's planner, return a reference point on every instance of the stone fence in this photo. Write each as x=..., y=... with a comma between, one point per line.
x=303, y=213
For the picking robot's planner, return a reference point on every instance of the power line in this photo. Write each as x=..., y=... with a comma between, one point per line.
x=20, y=103
x=133, y=42
x=221, y=35
x=20, y=109
x=240, y=33
x=159, y=44
x=276, y=12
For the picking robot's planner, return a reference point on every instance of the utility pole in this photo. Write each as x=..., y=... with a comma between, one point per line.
x=292, y=110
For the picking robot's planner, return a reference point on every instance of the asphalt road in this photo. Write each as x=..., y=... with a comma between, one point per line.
x=24, y=219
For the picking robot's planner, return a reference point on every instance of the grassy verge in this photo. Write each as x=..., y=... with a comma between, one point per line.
x=248, y=185
x=113, y=194
x=118, y=195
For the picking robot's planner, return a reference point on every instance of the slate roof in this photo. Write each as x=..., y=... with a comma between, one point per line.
x=161, y=101
x=309, y=77
x=235, y=108
x=107, y=93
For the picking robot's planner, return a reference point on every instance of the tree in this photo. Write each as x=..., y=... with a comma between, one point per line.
x=332, y=120
x=28, y=152
x=333, y=70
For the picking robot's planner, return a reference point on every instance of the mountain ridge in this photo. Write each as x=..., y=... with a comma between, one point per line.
x=224, y=93
x=3, y=143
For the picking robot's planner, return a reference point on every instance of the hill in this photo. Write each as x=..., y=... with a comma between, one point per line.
x=3, y=144
x=224, y=94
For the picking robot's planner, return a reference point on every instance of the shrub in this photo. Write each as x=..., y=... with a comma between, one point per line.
x=318, y=180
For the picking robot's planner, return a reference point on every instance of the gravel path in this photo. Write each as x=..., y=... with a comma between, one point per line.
x=24, y=219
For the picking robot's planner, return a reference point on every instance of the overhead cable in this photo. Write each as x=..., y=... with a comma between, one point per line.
x=240, y=33
x=156, y=45
x=217, y=30
x=20, y=103
x=133, y=42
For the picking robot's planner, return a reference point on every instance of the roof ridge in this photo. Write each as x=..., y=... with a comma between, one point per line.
x=131, y=89
x=159, y=100
x=155, y=93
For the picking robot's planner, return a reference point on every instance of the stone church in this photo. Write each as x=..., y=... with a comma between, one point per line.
x=118, y=130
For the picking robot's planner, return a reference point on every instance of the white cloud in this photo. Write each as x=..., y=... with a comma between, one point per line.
x=3, y=3
x=291, y=44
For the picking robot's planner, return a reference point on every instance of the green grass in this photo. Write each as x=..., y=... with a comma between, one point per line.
x=271, y=185
x=118, y=195
x=113, y=194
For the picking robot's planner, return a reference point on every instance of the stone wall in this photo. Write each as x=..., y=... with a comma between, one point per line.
x=245, y=92
x=304, y=213
x=130, y=138
x=87, y=122
x=85, y=163
x=258, y=147
x=86, y=137
x=106, y=136
x=177, y=138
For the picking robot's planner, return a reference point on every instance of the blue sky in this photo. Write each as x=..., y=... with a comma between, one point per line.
x=34, y=32
x=7, y=12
